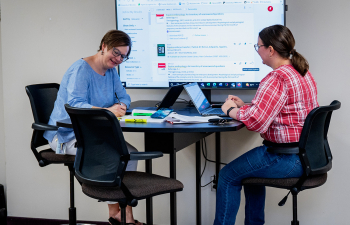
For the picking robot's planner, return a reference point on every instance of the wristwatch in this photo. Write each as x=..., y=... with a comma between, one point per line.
x=229, y=110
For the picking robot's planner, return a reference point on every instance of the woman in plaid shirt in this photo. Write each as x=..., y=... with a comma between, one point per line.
x=278, y=111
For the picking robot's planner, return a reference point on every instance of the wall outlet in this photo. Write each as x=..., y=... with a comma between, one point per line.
x=213, y=182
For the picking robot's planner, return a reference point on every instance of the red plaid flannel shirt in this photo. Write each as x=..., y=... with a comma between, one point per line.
x=282, y=102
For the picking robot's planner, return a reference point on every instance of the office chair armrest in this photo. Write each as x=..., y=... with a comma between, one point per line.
x=145, y=155
x=43, y=126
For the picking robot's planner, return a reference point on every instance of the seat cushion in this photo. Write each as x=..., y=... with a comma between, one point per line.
x=141, y=185
x=287, y=183
x=54, y=158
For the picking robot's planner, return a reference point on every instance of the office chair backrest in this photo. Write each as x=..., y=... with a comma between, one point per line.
x=314, y=149
x=42, y=99
x=101, y=146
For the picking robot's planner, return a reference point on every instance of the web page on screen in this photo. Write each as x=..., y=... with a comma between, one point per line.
x=209, y=42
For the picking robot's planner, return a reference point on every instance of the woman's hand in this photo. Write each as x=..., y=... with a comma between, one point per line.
x=118, y=110
x=236, y=99
x=227, y=105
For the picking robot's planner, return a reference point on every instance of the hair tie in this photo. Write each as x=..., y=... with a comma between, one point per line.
x=292, y=53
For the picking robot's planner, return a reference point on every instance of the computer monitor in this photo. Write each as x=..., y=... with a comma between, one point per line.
x=204, y=41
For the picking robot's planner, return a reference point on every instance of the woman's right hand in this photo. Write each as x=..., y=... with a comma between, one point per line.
x=118, y=110
x=236, y=100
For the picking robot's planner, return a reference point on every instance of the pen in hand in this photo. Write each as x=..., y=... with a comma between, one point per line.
x=117, y=98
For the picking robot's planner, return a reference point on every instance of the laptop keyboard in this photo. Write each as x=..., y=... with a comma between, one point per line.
x=217, y=111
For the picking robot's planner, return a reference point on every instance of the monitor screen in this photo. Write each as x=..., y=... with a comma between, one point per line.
x=204, y=41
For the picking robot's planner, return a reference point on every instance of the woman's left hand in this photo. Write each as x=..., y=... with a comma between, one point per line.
x=236, y=99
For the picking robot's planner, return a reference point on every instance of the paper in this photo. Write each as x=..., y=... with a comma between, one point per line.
x=177, y=118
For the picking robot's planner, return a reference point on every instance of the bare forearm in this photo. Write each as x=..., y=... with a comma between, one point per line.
x=233, y=113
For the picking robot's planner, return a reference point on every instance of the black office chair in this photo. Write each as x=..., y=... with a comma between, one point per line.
x=42, y=98
x=102, y=158
x=315, y=156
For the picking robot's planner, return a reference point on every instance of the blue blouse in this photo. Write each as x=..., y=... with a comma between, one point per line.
x=82, y=87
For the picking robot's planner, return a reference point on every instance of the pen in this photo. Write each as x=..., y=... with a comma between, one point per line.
x=117, y=98
x=136, y=120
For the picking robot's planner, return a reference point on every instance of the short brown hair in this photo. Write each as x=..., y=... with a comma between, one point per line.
x=282, y=40
x=116, y=38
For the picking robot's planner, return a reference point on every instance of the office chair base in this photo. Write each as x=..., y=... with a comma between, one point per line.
x=295, y=207
x=72, y=215
x=3, y=210
x=73, y=218
x=3, y=216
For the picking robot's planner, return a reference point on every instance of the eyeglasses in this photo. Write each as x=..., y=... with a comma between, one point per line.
x=256, y=46
x=116, y=53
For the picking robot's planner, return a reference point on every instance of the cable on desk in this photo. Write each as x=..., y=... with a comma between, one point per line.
x=185, y=100
x=188, y=102
x=157, y=104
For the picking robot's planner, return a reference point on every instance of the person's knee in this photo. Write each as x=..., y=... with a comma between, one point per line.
x=224, y=173
x=53, y=143
x=227, y=175
x=223, y=178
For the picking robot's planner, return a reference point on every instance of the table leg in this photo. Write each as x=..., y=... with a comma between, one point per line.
x=170, y=143
x=198, y=184
x=217, y=155
x=149, y=201
x=173, y=212
x=72, y=209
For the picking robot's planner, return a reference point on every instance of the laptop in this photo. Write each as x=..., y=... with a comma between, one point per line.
x=168, y=100
x=201, y=102
x=171, y=97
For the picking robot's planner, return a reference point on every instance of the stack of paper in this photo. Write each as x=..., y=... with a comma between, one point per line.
x=176, y=118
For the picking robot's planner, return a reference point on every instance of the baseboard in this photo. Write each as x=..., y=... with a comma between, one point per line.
x=39, y=221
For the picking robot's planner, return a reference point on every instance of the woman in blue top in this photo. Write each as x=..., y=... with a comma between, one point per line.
x=93, y=82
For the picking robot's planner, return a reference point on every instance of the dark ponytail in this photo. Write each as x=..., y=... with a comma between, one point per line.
x=299, y=62
x=282, y=40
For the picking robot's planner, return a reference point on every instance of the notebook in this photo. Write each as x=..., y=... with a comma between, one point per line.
x=201, y=102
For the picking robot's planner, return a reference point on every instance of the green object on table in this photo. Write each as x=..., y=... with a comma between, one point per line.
x=142, y=114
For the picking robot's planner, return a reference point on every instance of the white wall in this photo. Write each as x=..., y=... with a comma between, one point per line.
x=42, y=38
x=2, y=130
x=2, y=137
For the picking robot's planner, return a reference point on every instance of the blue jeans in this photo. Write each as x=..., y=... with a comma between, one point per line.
x=255, y=163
